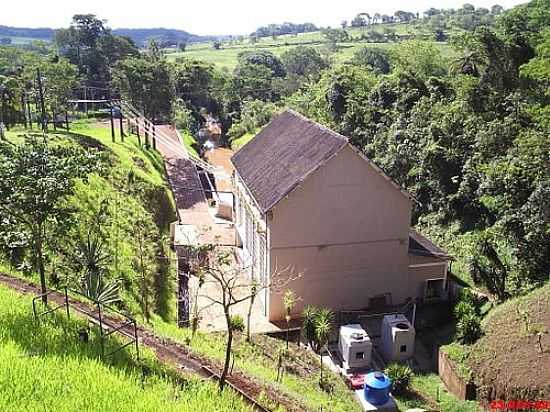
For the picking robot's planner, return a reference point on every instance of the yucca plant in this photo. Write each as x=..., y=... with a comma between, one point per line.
x=308, y=325
x=94, y=260
x=400, y=376
x=323, y=326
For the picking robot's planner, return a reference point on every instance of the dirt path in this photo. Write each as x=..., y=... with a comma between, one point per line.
x=167, y=351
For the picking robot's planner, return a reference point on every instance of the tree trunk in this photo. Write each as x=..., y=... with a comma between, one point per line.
x=227, y=348
x=39, y=255
x=249, y=316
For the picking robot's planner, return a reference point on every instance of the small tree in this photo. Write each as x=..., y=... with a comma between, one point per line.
x=253, y=294
x=35, y=177
x=323, y=326
x=220, y=269
x=289, y=300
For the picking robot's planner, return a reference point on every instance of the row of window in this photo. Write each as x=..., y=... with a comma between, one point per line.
x=254, y=243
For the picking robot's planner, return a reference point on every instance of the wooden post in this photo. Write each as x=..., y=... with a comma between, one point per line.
x=67, y=120
x=112, y=121
x=120, y=124
x=53, y=119
x=154, y=138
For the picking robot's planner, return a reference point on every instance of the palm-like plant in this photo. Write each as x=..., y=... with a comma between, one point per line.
x=308, y=325
x=323, y=326
x=94, y=260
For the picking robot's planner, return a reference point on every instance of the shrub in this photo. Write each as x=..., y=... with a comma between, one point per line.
x=401, y=377
x=237, y=323
x=308, y=325
x=462, y=309
x=468, y=328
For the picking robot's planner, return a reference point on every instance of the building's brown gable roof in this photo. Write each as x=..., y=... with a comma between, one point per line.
x=422, y=246
x=282, y=155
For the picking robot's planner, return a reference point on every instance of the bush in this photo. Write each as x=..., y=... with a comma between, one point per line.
x=401, y=377
x=462, y=309
x=237, y=323
x=468, y=328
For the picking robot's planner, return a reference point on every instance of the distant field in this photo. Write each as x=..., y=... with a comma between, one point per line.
x=226, y=57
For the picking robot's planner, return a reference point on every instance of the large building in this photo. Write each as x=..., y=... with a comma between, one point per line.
x=306, y=200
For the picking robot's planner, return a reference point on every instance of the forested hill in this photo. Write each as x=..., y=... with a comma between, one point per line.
x=141, y=37
x=38, y=34
x=167, y=36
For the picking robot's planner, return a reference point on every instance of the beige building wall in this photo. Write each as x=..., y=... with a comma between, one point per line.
x=346, y=229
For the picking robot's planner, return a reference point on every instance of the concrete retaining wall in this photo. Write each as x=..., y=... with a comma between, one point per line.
x=455, y=384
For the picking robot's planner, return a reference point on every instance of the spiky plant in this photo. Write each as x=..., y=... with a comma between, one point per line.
x=308, y=325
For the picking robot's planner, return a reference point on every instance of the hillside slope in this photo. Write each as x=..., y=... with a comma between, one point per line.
x=507, y=362
x=46, y=368
x=127, y=205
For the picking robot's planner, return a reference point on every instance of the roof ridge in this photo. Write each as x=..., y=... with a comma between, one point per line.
x=317, y=124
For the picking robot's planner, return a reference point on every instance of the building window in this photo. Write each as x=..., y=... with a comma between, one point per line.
x=249, y=233
x=435, y=288
x=403, y=348
x=360, y=355
x=261, y=259
x=241, y=210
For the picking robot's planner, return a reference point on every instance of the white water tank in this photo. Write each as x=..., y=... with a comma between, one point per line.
x=355, y=346
x=397, y=338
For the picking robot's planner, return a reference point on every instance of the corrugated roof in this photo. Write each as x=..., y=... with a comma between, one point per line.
x=283, y=154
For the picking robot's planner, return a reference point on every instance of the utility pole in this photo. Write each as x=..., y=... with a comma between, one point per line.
x=42, y=104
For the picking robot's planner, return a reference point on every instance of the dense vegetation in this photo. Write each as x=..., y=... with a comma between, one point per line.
x=122, y=206
x=46, y=367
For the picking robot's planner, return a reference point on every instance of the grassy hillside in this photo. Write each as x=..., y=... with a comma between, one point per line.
x=46, y=368
x=226, y=57
x=132, y=200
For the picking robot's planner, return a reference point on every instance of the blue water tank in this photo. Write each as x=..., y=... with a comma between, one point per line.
x=377, y=388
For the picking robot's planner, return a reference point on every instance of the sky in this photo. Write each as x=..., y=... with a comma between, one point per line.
x=216, y=17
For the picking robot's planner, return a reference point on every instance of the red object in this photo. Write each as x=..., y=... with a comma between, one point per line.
x=357, y=381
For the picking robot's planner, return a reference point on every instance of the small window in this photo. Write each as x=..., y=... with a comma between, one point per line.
x=360, y=355
x=403, y=348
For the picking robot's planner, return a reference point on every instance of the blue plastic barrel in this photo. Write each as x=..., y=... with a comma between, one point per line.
x=377, y=388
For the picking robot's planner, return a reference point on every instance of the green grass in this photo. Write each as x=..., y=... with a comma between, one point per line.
x=189, y=141
x=46, y=368
x=252, y=359
x=459, y=353
x=241, y=141
x=427, y=391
